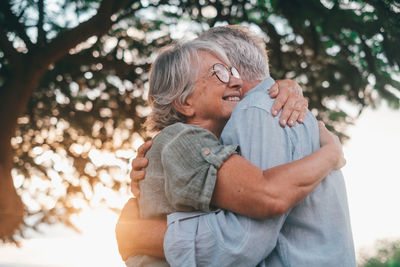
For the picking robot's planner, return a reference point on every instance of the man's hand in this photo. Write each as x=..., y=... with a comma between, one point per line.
x=289, y=98
x=138, y=164
x=124, y=227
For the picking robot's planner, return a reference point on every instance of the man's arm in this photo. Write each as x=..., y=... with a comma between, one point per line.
x=138, y=164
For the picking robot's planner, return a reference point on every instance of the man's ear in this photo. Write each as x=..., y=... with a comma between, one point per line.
x=186, y=109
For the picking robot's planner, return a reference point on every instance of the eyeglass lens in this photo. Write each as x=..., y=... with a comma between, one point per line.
x=222, y=72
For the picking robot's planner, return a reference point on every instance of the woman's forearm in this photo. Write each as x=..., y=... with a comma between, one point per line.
x=290, y=183
x=139, y=236
x=243, y=188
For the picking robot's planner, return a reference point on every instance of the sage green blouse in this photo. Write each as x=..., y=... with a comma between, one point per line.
x=182, y=171
x=181, y=175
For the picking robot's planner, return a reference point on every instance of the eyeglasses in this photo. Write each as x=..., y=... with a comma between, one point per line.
x=223, y=73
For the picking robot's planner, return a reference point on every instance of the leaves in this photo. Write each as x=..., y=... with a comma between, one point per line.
x=387, y=255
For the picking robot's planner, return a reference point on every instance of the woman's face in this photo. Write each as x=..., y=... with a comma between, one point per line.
x=212, y=99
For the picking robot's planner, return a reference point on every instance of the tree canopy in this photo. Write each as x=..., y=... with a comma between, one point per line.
x=73, y=81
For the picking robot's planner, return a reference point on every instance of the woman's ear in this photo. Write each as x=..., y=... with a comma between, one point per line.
x=186, y=109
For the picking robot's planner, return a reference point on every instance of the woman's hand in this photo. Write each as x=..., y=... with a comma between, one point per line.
x=332, y=144
x=289, y=98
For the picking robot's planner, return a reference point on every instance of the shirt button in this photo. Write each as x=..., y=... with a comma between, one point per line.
x=206, y=152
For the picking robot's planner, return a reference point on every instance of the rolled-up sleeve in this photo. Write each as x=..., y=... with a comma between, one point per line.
x=190, y=161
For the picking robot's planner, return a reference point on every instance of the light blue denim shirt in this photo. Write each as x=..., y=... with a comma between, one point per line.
x=317, y=232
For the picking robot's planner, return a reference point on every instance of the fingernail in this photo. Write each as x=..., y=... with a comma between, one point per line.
x=301, y=120
x=274, y=112
x=283, y=122
x=291, y=122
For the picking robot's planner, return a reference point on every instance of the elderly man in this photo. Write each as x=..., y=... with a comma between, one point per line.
x=315, y=233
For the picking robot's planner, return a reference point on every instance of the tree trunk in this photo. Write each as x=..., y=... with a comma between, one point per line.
x=14, y=97
x=27, y=70
x=11, y=207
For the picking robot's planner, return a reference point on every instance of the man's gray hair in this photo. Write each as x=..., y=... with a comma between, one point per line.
x=172, y=79
x=246, y=51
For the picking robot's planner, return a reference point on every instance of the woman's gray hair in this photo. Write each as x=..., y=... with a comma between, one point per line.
x=246, y=51
x=172, y=79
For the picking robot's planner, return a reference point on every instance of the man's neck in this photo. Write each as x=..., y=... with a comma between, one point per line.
x=248, y=85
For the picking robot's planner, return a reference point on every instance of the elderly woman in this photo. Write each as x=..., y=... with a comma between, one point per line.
x=193, y=91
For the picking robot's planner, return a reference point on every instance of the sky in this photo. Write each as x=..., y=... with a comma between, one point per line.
x=372, y=179
x=372, y=176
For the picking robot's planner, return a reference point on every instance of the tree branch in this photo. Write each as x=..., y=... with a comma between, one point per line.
x=41, y=33
x=122, y=69
x=13, y=21
x=97, y=25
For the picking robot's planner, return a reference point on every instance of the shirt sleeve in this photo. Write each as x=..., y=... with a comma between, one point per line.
x=191, y=161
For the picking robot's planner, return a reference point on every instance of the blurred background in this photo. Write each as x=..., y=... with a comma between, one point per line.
x=73, y=98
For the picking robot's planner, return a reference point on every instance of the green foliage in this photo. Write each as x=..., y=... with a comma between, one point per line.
x=387, y=255
x=94, y=98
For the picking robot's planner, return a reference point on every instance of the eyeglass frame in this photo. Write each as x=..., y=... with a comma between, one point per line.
x=231, y=71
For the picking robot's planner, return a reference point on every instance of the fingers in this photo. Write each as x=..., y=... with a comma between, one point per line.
x=298, y=89
x=299, y=111
x=144, y=148
x=139, y=163
x=302, y=111
x=293, y=118
x=290, y=99
x=274, y=90
x=323, y=129
x=135, y=189
x=137, y=173
x=136, y=176
x=287, y=111
x=279, y=102
x=294, y=110
x=329, y=138
x=324, y=135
